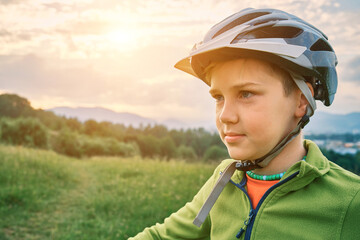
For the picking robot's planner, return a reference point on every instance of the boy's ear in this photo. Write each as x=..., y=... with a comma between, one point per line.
x=303, y=102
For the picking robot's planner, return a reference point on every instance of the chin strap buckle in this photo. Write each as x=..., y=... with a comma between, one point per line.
x=246, y=165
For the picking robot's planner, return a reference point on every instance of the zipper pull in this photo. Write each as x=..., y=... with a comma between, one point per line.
x=246, y=223
x=240, y=233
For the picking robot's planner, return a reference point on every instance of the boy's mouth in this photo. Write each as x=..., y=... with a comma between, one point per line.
x=231, y=137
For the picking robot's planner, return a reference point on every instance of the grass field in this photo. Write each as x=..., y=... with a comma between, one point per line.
x=44, y=195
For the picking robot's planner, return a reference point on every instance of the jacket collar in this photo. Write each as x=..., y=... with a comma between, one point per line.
x=316, y=165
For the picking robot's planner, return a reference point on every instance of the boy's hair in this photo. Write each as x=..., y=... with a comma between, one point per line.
x=288, y=84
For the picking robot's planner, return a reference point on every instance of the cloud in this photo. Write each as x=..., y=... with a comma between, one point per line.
x=65, y=83
x=120, y=54
x=8, y=2
x=346, y=99
x=60, y=7
x=85, y=27
x=11, y=37
x=352, y=71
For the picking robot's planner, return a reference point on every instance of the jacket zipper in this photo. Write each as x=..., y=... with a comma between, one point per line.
x=251, y=213
x=249, y=222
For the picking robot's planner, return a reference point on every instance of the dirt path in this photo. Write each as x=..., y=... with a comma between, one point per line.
x=60, y=212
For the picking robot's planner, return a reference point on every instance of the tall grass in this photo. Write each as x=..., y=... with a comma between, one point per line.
x=47, y=196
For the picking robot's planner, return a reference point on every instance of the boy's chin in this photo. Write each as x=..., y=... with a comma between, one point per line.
x=240, y=156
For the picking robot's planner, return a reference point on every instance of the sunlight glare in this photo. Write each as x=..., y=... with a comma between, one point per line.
x=122, y=39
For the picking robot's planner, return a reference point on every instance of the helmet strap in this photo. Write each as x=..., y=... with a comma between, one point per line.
x=301, y=83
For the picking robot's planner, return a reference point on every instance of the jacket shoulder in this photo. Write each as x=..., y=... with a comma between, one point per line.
x=343, y=176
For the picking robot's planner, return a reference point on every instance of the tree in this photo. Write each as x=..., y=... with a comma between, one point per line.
x=50, y=120
x=91, y=127
x=167, y=147
x=74, y=124
x=347, y=161
x=199, y=139
x=178, y=137
x=158, y=131
x=12, y=105
x=149, y=145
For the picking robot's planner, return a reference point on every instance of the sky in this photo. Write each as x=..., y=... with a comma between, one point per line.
x=120, y=54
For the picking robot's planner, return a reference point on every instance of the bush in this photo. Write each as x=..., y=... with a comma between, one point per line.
x=117, y=148
x=24, y=131
x=215, y=153
x=75, y=145
x=92, y=146
x=67, y=143
x=187, y=153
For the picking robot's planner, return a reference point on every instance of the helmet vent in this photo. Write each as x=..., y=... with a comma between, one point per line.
x=239, y=21
x=268, y=20
x=321, y=45
x=269, y=32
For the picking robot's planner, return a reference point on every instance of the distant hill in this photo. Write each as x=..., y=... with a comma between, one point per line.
x=102, y=114
x=321, y=122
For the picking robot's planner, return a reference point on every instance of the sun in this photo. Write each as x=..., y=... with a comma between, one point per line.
x=122, y=38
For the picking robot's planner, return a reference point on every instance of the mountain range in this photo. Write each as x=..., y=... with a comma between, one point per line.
x=321, y=122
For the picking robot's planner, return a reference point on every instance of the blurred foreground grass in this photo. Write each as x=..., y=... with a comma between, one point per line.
x=44, y=195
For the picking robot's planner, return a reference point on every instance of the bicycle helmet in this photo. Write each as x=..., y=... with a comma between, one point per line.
x=270, y=35
x=279, y=38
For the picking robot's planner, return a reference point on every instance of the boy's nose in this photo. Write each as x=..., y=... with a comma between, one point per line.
x=228, y=113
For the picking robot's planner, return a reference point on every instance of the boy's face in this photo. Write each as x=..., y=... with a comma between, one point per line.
x=252, y=112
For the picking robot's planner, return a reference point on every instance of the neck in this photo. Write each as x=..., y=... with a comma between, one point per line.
x=292, y=153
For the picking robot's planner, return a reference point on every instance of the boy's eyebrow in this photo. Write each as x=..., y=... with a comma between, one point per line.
x=236, y=86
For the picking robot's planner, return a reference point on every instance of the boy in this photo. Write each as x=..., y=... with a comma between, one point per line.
x=265, y=68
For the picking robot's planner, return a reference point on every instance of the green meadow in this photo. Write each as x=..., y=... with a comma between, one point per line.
x=44, y=195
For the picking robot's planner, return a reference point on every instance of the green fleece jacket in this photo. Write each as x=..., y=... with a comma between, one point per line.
x=315, y=199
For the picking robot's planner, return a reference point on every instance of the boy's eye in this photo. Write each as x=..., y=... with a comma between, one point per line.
x=218, y=98
x=246, y=94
